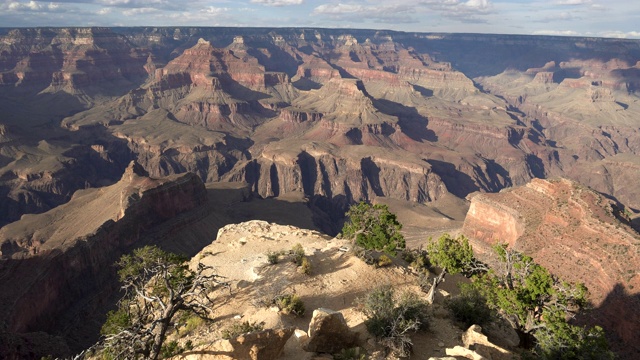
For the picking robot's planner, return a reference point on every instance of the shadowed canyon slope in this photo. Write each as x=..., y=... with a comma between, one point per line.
x=324, y=116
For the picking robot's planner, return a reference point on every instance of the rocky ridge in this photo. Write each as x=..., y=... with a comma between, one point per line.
x=53, y=261
x=223, y=96
x=577, y=234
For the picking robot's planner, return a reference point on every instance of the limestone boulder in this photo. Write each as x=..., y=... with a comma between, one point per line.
x=474, y=339
x=260, y=345
x=464, y=352
x=329, y=332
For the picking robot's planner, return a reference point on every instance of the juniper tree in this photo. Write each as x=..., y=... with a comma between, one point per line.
x=157, y=285
x=539, y=306
x=374, y=227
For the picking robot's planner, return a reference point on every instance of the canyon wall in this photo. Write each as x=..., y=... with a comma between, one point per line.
x=576, y=233
x=58, y=265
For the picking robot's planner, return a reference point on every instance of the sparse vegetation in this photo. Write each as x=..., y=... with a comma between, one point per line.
x=171, y=349
x=417, y=258
x=297, y=254
x=374, y=227
x=158, y=287
x=538, y=306
x=355, y=353
x=240, y=328
x=453, y=255
x=469, y=308
x=191, y=324
x=392, y=319
x=290, y=304
x=305, y=266
x=273, y=257
x=383, y=261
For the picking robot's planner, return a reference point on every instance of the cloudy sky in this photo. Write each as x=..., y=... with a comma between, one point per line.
x=605, y=18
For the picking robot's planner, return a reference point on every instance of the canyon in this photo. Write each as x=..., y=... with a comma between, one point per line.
x=111, y=138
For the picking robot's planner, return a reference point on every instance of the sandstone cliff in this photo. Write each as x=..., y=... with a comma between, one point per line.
x=576, y=233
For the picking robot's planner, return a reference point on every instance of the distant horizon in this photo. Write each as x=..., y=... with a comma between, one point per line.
x=310, y=28
x=572, y=18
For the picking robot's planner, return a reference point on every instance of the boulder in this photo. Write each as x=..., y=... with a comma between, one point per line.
x=464, y=352
x=474, y=339
x=329, y=332
x=260, y=345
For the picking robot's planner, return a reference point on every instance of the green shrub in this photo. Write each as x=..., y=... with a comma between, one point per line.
x=469, y=308
x=192, y=323
x=391, y=319
x=273, y=257
x=188, y=346
x=290, y=304
x=355, y=353
x=424, y=281
x=117, y=320
x=171, y=349
x=305, y=266
x=563, y=341
x=297, y=254
x=374, y=227
x=417, y=258
x=383, y=261
x=241, y=328
x=407, y=256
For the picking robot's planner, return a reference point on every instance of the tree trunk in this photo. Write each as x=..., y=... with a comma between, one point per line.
x=161, y=332
x=431, y=294
x=527, y=341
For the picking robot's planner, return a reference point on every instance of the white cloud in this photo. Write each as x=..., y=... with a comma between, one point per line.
x=32, y=6
x=620, y=34
x=478, y=4
x=139, y=11
x=470, y=11
x=339, y=9
x=573, y=2
x=278, y=2
x=555, y=17
x=212, y=10
x=556, y=32
x=392, y=14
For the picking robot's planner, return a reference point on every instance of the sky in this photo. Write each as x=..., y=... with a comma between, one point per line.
x=601, y=18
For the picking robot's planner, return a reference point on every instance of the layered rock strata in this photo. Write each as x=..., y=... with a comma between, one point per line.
x=576, y=233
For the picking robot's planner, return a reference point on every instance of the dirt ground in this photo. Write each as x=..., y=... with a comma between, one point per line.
x=337, y=279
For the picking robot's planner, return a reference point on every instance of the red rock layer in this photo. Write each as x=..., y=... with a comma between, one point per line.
x=572, y=231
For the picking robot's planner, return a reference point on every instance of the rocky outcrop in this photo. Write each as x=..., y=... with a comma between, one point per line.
x=260, y=345
x=576, y=233
x=474, y=339
x=329, y=332
x=478, y=347
x=68, y=59
x=352, y=175
x=50, y=262
x=47, y=174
